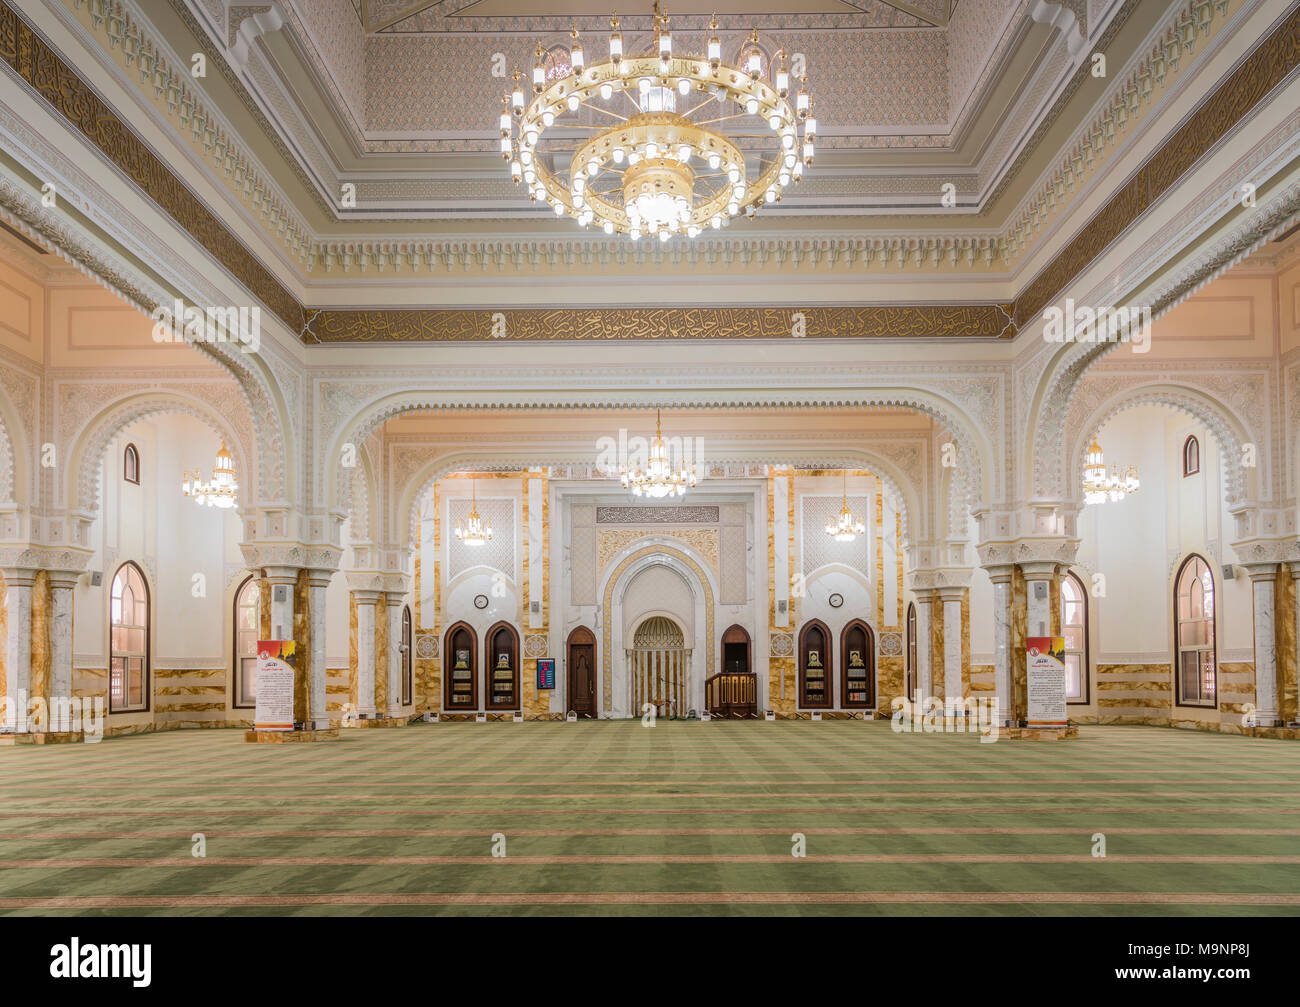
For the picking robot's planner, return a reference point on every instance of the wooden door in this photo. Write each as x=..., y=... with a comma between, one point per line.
x=581, y=665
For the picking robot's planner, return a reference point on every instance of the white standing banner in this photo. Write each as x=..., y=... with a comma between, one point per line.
x=275, y=669
x=1045, y=685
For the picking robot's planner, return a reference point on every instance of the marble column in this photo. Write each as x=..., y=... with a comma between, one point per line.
x=1001, y=578
x=317, y=583
x=18, y=649
x=367, y=601
x=1038, y=597
x=394, y=615
x=1263, y=579
x=61, y=588
x=952, y=641
x=924, y=683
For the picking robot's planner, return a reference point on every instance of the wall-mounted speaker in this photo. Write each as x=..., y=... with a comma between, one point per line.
x=96, y=578
x=280, y=593
x=1229, y=572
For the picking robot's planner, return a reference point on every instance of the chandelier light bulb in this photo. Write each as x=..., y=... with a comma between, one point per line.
x=618, y=155
x=516, y=171
x=751, y=105
x=733, y=208
x=714, y=160
x=774, y=120
x=530, y=135
x=636, y=233
x=684, y=152
x=606, y=91
x=575, y=51
x=810, y=126
x=715, y=222
x=733, y=174
x=615, y=41
x=593, y=167
x=782, y=83
x=683, y=87
x=573, y=102
x=798, y=170
x=783, y=178
x=506, y=147
x=769, y=196
x=609, y=227
x=651, y=149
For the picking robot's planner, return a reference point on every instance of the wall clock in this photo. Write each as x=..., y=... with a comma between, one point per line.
x=836, y=600
x=480, y=601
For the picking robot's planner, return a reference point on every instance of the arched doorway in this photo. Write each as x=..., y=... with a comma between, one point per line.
x=659, y=667
x=733, y=692
x=580, y=666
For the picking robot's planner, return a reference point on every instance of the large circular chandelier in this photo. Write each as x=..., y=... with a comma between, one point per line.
x=222, y=490
x=660, y=143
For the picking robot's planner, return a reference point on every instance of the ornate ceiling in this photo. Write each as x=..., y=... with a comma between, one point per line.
x=307, y=104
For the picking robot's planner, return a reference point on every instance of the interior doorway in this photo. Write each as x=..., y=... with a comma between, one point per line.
x=581, y=668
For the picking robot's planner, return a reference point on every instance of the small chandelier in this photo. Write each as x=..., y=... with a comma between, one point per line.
x=1100, y=486
x=706, y=140
x=475, y=531
x=846, y=526
x=222, y=491
x=659, y=478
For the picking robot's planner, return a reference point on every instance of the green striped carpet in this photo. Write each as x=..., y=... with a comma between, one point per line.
x=616, y=818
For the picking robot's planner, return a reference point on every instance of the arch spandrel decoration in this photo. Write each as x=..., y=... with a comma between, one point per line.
x=612, y=578
x=352, y=411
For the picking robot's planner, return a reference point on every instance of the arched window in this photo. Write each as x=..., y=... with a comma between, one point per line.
x=912, y=683
x=1074, y=627
x=408, y=680
x=1196, y=674
x=131, y=464
x=128, y=674
x=248, y=627
x=1191, y=457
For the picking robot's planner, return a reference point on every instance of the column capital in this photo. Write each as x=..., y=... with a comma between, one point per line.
x=1261, y=571
x=1040, y=569
x=951, y=592
x=1295, y=568
x=364, y=597
x=260, y=554
x=378, y=581
x=1000, y=573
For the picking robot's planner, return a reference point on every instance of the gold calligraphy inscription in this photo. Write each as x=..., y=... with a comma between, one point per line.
x=988, y=321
